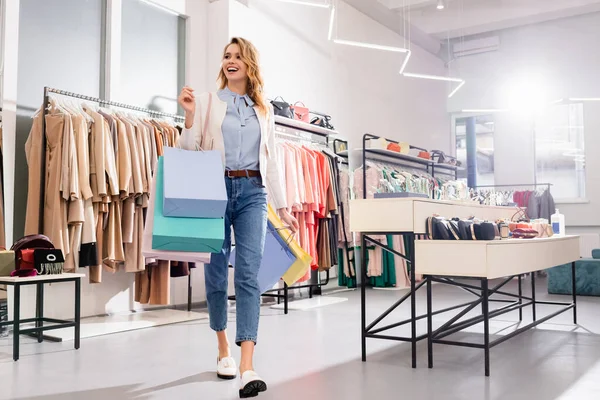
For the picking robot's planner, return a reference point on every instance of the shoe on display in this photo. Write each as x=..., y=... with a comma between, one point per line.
x=252, y=385
x=226, y=368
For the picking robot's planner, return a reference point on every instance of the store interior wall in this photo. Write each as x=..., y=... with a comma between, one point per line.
x=538, y=63
x=360, y=88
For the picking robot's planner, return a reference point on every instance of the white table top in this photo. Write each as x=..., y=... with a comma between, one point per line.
x=11, y=279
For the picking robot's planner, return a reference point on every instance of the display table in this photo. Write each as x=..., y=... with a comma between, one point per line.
x=440, y=261
x=407, y=217
x=39, y=319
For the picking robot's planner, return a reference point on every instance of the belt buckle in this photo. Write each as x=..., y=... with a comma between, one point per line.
x=228, y=173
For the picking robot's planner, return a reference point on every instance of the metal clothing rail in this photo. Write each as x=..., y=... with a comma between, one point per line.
x=152, y=113
x=549, y=185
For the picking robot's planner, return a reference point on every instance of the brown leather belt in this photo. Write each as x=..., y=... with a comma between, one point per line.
x=244, y=173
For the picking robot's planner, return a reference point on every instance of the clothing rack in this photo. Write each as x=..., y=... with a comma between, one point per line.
x=549, y=185
x=106, y=103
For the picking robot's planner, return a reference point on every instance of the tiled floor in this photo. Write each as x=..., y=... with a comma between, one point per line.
x=315, y=354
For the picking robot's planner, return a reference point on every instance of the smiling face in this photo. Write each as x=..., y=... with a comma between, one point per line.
x=233, y=67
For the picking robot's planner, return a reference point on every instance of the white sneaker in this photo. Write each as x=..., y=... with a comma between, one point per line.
x=226, y=368
x=252, y=385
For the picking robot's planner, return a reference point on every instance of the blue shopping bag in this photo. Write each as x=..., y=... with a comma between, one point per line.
x=277, y=259
x=194, y=184
x=198, y=235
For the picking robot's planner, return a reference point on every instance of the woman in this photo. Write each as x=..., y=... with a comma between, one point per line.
x=237, y=121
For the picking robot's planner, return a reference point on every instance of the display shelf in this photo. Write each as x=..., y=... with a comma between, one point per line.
x=410, y=214
x=292, y=123
x=493, y=259
x=385, y=155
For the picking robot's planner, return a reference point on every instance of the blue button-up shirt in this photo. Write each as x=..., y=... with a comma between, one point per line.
x=241, y=132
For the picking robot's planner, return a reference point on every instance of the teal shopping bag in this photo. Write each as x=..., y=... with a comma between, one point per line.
x=200, y=235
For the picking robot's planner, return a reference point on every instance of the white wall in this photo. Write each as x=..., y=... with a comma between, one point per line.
x=560, y=58
x=360, y=88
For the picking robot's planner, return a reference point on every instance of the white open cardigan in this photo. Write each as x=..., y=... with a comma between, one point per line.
x=194, y=139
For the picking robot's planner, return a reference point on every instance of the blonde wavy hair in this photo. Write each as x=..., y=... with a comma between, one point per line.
x=250, y=57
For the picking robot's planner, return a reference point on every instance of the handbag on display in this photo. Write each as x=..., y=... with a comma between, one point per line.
x=30, y=242
x=442, y=158
x=44, y=261
x=524, y=233
x=438, y=228
x=322, y=120
x=464, y=228
x=484, y=230
x=301, y=112
x=282, y=108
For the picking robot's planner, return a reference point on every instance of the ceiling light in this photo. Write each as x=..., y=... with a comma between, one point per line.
x=305, y=3
x=440, y=5
x=331, y=20
x=485, y=110
x=457, y=89
x=433, y=77
x=584, y=99
x=409, y=53
x=371, y=46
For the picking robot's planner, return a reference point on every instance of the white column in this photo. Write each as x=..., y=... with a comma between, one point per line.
x=113, y=49
x=10, y=55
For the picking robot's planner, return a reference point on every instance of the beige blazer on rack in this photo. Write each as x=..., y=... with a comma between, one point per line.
x=194, y=139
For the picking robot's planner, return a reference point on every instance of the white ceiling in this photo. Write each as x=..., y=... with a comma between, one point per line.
x=470, y=17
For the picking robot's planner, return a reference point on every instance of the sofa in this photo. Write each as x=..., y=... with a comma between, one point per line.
x=587, y=277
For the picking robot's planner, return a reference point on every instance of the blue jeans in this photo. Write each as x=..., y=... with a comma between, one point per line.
x=247, y=213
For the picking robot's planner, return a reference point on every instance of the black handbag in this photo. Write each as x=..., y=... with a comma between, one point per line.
x=484, y=230
x=282, y=108
x=48, y=261
x=322, y=120
x=442, y=158
x=438, y=228
x=464, y=228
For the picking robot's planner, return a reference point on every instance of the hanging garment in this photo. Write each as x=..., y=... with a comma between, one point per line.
x=33, y=153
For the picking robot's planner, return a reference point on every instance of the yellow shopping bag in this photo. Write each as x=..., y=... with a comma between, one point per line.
x=303, y=259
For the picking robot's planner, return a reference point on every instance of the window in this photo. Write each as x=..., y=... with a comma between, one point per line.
x=560, y=151
x=60, y=46
x=484, y=130
x=152, y=56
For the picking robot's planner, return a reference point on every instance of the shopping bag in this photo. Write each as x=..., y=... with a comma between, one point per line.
x=303, y=260
x=194, y=184
x=277, y=259
x=150, y=253
x=198, y=235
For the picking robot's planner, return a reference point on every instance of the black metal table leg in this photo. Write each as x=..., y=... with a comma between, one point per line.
x=533, y=308
x=39, y=311
x=574, y=292
x=520, y=297
x=413, y=300
x=189, y=299
x=16, y=320
x=77, y=312
x=486, y=324
x=363, y=312
x=429, y=324
x=285, y=298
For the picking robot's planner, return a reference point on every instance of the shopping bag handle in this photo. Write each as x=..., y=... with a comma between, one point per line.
x=290, y=237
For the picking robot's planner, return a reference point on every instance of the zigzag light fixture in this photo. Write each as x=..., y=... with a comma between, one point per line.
x=460, y=82
x=365, y=45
